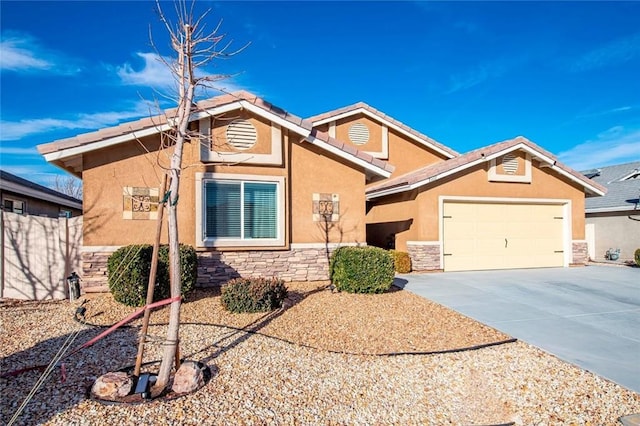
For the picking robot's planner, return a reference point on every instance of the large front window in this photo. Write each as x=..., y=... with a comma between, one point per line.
x=242, y=210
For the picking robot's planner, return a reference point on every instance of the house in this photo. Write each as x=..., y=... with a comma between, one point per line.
x=264, y=192
x=28, y=198
x=613, y=221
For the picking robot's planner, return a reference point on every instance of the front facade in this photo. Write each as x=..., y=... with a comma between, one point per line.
x=508, y=205
x=265, y=193
x=613, y=221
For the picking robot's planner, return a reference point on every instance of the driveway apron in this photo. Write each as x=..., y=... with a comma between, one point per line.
x=588, y=316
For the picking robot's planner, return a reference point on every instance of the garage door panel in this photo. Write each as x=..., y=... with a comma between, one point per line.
x=478, y=236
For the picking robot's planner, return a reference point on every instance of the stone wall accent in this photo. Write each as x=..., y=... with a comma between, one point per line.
x=308, y=264
x=215, y=268
x=424, y=257
x=580, y=252
x=94, y=271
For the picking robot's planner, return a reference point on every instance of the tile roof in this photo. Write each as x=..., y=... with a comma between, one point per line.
x=621, y=194
x=6, y=177
x=438, y=170
x=155, y=122
x=384, y=117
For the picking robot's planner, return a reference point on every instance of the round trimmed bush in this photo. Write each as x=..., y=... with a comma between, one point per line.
x=129, y=267
x=637, y=256
x=253, y=294
x=362, y=269
x=401, y=261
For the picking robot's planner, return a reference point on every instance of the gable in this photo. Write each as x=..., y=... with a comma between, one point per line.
x=520, y=153
x=68, y=153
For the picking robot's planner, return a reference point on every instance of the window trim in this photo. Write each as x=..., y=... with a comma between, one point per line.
x=13, y=201
x=202, y=241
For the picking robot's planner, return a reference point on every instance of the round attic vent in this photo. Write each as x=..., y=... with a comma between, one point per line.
x=241, y=134
x=358, y=134
x=510, y=164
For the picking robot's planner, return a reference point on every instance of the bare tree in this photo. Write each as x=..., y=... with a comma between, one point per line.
x=195, y=48
x=68, y=185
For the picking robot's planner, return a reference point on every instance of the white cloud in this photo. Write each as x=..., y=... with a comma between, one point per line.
x=15, y=130
x=154, y=72
x=483, y=72
x=613, y=146
x=616, y=52
x=23, y=53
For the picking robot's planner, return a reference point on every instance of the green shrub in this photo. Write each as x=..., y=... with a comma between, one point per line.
x=401, y=261
x=361, y=269
x=637, y=256
x=253, y=294
x=129, y=267
x=188, y=266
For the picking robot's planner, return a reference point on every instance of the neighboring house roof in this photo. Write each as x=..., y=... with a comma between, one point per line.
x=363, y=108
x=67, y=149
x=623, y=188
x=18, y=185
x=435, y=172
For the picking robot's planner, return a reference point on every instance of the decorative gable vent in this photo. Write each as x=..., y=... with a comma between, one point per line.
x=358, y=134
x=510, y=164
x=241, y=134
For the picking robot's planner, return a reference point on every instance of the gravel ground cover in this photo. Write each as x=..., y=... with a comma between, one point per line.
x=312, y=362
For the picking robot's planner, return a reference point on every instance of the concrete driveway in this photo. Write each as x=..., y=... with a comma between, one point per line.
x=587, y=316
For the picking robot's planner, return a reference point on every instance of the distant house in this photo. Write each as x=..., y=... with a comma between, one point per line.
x=24, y=197
x=268, y=193
x=613, y=221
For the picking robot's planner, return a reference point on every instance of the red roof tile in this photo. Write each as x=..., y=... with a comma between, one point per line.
x=161, y=119
x=423, y=175
x=361, y=105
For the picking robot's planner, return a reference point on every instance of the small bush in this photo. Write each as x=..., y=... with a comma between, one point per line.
x=401, y=261
x=361, y=269
x=129, y=267
x=637, y=256
x=253, y=294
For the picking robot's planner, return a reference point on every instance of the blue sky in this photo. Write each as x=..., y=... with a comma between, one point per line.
x=563, y=74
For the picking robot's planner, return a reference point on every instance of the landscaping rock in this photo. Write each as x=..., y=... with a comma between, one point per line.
x=112, y=386
x=188, y=378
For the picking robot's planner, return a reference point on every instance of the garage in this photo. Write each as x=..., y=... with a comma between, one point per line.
x=502, y=235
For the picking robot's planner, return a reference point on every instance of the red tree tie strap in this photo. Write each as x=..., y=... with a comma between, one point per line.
x=98, y=337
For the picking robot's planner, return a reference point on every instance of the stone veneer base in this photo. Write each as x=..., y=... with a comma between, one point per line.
x=215, y=268
x=424, y=257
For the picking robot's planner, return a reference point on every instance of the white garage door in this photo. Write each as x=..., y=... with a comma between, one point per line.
x=479, y=236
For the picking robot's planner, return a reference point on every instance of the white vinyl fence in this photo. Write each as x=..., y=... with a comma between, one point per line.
x=38, y=253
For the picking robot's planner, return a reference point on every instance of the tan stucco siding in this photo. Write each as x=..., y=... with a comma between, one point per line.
x=375, y=132
x=106, y=173
x=262, y=127
x=475, y=183
x=407, y=155
x=315, y=171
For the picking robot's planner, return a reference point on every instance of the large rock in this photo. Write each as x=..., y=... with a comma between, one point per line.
x=112, y=386
x=188, y=378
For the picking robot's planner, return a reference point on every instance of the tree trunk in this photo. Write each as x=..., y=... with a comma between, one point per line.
x=181, y=124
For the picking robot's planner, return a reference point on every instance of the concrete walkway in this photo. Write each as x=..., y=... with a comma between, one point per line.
x=587, y=316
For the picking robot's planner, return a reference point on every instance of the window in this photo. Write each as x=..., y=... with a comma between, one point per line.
x=14, y=206
x=240, y=210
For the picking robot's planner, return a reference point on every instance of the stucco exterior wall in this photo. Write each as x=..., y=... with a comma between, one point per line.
x=615, y=230
x=306, y=169
x=474, y=182
x=408, y=155
x=313, y=171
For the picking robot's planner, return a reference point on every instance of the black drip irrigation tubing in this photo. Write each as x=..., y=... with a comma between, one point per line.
x=302, y=345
